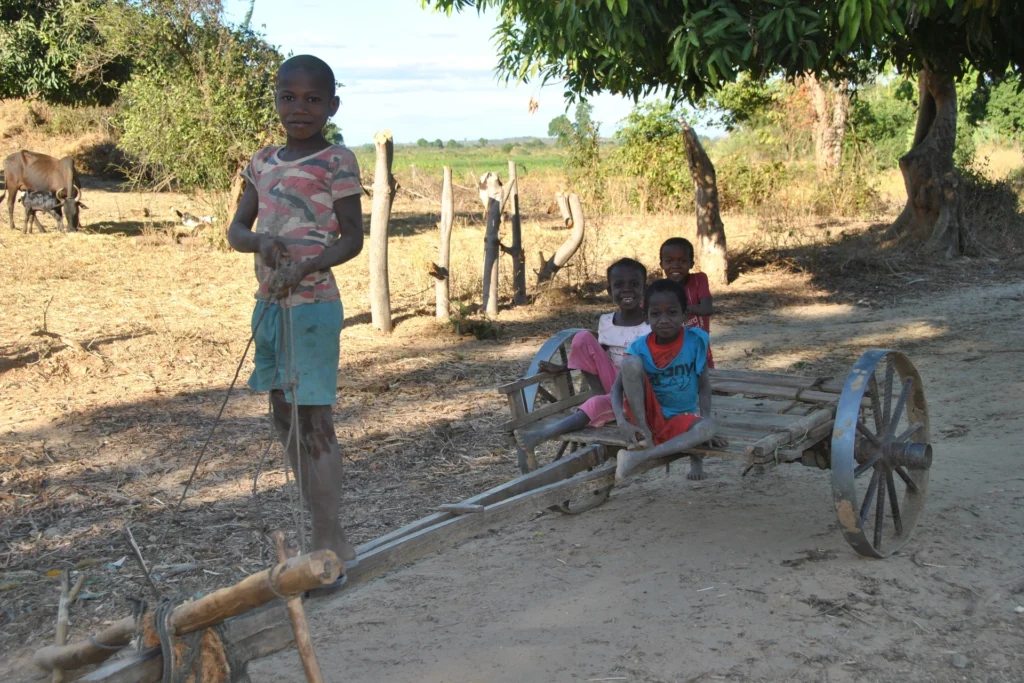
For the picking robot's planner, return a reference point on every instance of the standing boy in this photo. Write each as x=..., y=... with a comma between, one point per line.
x=676, y=257
x=306, y=195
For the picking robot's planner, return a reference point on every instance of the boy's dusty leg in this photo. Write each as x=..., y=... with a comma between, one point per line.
x=700, y=432
x=529, y=439
x=633, y=387
x=321, y=475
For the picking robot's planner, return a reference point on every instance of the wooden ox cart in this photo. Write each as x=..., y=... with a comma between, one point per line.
x=870, y=430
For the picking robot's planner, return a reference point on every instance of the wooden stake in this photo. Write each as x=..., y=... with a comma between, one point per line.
x=384, y=186
x=516, y=252
x=492, y=252
x=67, y=596
x=298, y=618
x=442, y=311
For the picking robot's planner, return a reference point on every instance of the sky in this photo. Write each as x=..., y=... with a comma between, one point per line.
x=418, y=73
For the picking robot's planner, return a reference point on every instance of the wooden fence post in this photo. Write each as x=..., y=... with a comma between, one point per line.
x=444, y=257
x=492, y=251
x=383, y=196
x=577, y=223
x=516, y=252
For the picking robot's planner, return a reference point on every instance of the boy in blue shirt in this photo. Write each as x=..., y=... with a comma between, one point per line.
x=666, y=385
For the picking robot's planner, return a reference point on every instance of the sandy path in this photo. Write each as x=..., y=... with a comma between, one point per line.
x=673, y=581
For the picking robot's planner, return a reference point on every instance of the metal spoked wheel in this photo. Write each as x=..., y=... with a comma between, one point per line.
x=881, y=453
x=556, y=350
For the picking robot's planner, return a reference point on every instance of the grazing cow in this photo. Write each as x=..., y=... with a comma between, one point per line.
x=34, y=172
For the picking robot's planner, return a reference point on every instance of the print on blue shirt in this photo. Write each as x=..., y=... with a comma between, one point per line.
x=677, y=384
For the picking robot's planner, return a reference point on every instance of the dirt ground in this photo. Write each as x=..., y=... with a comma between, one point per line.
x=740, y=578
x=115, y=354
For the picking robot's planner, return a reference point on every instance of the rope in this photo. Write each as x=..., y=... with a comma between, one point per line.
x=224, y=403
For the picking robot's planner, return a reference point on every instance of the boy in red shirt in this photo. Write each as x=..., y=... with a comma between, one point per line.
x=676, y=256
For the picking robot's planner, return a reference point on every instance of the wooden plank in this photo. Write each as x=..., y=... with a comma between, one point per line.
x=552, y=409
x=772, y=391
x=461, y=508
x=796, y=451
x=550, y=473
x=831, y=385
x=755, y=405
x=795, y=432
x=449, y=532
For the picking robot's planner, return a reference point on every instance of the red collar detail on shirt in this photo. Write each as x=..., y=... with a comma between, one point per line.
x=664, y=353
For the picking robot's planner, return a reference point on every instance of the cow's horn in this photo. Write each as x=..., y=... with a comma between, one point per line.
x=62, y=194
x=77, y=191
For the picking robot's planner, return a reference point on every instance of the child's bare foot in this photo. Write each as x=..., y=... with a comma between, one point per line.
x=626, y=462
x=696, y=468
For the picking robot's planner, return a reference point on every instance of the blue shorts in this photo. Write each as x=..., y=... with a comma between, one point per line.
x=317, y=338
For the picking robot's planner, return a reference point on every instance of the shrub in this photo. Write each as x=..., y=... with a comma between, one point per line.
x=745, y=186
x=651, y=150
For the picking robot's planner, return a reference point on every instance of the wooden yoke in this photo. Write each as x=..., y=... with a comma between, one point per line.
x=298, y=616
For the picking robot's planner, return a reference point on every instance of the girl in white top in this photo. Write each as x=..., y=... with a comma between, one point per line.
x=601, y=358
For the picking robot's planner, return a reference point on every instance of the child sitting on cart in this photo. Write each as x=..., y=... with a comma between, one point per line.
x=666, y=386
x=599, y=358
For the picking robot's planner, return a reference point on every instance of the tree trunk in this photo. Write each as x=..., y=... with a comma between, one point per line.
x=831, y=104
x=444, y=256
x=933, y=213
x=711, y=250
x=572, y=211
x=492, y=249
x=516, y=252
x=383, y=196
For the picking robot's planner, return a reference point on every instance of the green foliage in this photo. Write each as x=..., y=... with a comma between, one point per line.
x=507, y=148
x=197, y=110
x=333, y=134
x=422, y=142
x=651, y=150
x=880, y=123
x=452, y=144
x=560, y=128
x=437, y=143
x=693, y=47
x=41, y=44
x=482, y=142
x=744, y=102
x=1004, y=109
x=746, y=186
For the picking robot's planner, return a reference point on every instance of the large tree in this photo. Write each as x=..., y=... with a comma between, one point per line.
x=693, y=47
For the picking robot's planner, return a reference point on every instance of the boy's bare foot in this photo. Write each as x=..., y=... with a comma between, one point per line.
x=626, y=462
x=696, y=468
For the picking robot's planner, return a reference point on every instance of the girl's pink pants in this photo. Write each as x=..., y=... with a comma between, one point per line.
x=588, y=356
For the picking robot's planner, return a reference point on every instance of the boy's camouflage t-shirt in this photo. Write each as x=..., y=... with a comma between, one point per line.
x=297, y=204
